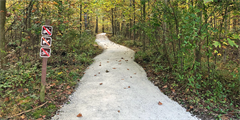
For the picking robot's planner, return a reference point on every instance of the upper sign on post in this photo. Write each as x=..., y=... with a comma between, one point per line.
x=47, y=30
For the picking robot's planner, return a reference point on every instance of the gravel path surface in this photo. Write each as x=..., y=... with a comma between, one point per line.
x=116, y=88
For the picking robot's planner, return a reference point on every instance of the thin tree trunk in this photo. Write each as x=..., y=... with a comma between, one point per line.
x=103, y=25
x=112, y=23
x=81, y=16
x=86, y=19
x=198, y=42
x=144, y=18
x=96, y=31
x=134, y=22
x=2, y=32
x=115, y=22
x=164, y=38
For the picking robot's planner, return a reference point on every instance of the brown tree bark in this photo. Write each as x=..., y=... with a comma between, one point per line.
x=96, y=31
x=134, y=22
x=103, y=25
x=81, y=16
x=164, y=38
x=144, y=18
x=2, y=32
x=112, y=23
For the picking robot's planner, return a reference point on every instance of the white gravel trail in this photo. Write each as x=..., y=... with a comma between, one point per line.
x=125, y=93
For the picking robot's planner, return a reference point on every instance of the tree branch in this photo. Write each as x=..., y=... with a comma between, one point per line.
x=28, y=110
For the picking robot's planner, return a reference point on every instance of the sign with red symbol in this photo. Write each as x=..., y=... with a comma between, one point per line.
x=47, y=30
x=46, y=41
x=45, y=52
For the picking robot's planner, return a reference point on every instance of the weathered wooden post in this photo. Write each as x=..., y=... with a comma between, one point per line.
x=45, y=53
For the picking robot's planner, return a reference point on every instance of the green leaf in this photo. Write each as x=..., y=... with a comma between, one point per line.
x=235, y=36
x=23, y=39
x=216, y=44
x=232, y=43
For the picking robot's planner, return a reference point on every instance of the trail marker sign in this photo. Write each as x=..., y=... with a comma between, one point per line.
x=46, y=41
x=45, y=52
x=47, y=30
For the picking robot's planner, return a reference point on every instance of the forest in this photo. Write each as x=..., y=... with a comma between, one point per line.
x=190, y=49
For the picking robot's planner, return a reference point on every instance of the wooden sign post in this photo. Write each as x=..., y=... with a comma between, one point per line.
x=45, y=53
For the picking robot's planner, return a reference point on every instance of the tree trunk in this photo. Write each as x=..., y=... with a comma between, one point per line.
x=164, y=38
x=130, y=32
x=81, y=16
x=144, y=18
x=198, y=42
x=2, y=32
x=115, y=22
x=96, y=31
x=86, y=20
x=103, y=25
x=112, y=23
x=134, y=22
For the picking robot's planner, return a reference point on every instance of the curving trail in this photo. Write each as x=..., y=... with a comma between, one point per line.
x=116, y=88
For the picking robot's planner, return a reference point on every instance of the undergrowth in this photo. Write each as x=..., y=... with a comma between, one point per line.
x=207, y=95
x=20, y=84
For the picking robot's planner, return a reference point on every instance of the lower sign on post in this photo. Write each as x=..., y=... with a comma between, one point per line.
x=45, y=52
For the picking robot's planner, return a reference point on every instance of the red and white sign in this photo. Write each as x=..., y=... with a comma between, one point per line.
x=45, y=52
x=47, y=30
x=46, y=41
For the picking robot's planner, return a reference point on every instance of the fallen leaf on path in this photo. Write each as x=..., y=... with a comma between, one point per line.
x=126, y=60
x=100, y=83
x=119, y=111
x=127, y=69
x=114, y=68
x=100, y=64
x=135, y=73
x=95, y=75
x=128, y=86
x=159, y=103
x=131, y=57
x=68, y=87
x=107, y=61
x=79, y=115
x=122, y=79
x=164, y=86
x=119, y=61
x=69, y=92
x=130, y=76
x=107, y=71
x=124, y=87
x=98, y=72
x=191, y=107
x=121, y=57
